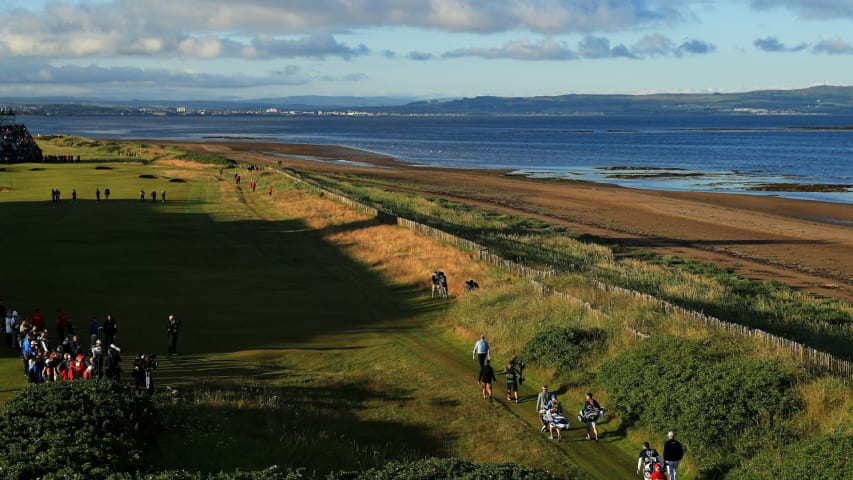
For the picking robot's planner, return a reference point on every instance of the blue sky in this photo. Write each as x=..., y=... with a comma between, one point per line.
x=199, y=49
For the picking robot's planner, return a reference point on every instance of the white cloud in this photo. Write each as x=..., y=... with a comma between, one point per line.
x=519, y=50
x=812, y=9
x=590, y=47
x=202, y=28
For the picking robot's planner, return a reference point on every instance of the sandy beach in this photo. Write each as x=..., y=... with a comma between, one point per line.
x=805, y=244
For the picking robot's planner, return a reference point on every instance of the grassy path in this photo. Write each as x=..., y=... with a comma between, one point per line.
x=455, y=375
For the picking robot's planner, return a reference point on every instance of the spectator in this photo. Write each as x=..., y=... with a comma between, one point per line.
x=9, y=328
x=173, y=327
x=94, y=331
x=511, y=382
x=487, y=376
x=542, y=400
x=110, y=330
x=481, y=350
x=61, y=323
x=590, y=414
x=657, y=473
x=647, y=459
x=113, y=361
x=37, y=320
x=673, y=452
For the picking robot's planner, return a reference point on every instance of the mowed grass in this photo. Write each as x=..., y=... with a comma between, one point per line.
x=309, y=337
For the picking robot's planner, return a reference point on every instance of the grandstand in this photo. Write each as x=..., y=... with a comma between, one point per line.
x=16, y=143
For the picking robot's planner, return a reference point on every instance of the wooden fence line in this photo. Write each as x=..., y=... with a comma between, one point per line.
x=795, y=349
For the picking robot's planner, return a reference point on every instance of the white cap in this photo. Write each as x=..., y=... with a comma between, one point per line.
x=670, y=434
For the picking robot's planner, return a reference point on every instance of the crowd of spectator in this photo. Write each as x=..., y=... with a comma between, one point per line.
x=63, y=357
x=17, y=145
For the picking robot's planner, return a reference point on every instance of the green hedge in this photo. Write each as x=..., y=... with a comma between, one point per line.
x=81, y=429
x=88, y=430
x=826, y=458
x=446, y=469
x=561, y=348
x=722, y=405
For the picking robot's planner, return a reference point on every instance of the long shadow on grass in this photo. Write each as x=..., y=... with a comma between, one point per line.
x=215, y=427
x=235, y=285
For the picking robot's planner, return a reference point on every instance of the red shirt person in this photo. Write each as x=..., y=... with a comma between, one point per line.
x=657, y=474
x=38, y=320
x=61, y=323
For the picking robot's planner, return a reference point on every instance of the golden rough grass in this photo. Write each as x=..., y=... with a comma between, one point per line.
x=183, y=164
x=400, y=255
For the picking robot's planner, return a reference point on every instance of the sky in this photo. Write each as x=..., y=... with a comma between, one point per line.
x=244, y=49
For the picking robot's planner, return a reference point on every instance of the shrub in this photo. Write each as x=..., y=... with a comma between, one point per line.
x=561, y=348
x=821, y=457
x=445, y=468
x=718, y=402
x=81, y=429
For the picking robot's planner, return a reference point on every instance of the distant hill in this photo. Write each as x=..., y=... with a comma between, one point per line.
x=814, y=100
x=822, y=99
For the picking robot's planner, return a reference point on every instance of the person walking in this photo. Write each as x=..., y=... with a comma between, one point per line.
x=554, y=411
x=481, y=350
x=487, y=376
x=511, y=382
x=646, y=461
x=541, y=400
x=673, y=452
x=590, y=413
x=172, y=328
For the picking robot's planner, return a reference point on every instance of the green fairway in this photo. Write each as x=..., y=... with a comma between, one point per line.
x=291, y=352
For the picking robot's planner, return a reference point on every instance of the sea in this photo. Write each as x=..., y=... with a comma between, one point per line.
x=745, y=154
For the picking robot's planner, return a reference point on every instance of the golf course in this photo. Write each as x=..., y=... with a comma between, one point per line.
x=310, y=339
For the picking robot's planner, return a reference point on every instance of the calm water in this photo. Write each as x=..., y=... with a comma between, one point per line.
x=697, y=153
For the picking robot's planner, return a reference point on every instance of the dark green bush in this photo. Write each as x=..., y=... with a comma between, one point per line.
x=721, y=405
x=561, y=348
x=825, y=457
x=445, y=468
x=82, y=429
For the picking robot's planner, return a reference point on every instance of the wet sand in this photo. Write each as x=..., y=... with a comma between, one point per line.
x=805, y=244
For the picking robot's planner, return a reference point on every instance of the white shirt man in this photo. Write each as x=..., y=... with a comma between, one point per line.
x=481, y=350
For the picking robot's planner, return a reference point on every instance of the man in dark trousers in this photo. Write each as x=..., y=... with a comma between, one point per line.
x=172, y=328
x=110, y=330
x=646, y=460
x=481, y=350
x=673, y=452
